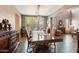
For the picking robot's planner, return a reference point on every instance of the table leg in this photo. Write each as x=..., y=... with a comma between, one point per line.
x=54, y=47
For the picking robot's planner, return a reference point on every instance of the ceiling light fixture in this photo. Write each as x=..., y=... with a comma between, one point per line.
x=38, y=10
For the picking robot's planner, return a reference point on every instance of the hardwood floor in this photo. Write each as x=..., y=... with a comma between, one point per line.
x=69, y=45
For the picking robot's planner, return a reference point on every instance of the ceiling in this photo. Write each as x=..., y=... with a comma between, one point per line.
x=44, y=10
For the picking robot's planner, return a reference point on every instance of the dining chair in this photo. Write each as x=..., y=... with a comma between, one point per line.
x=30, y=47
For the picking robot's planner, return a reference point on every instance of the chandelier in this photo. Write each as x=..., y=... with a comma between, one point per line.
x=37, y=10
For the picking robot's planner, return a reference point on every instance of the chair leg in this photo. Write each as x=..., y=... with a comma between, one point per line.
x=27, y=48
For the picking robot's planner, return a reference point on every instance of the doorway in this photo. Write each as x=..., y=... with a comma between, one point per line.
x=16, y=22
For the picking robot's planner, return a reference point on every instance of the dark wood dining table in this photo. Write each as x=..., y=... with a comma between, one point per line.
x=46, y=40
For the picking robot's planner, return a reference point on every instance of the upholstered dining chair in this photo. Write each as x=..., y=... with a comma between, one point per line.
x=30, y=47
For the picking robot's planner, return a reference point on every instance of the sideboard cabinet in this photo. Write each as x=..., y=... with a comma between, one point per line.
x=9, y=41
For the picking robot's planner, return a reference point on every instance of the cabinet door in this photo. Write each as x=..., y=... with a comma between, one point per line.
x=4, y=44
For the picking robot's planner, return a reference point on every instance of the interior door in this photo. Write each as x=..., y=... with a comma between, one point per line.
x=16, y=22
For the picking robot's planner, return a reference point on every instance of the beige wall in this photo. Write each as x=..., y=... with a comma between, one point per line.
x=9, y=12
x=63, y=14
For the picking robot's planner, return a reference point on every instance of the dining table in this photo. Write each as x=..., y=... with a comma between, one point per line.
x=40, y=38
